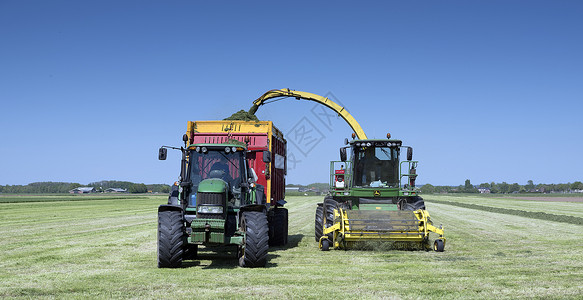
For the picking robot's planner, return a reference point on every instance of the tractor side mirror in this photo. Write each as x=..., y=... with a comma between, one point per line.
x=266, y=156
x=409, y=153
x=343, y=154
x=162, y=153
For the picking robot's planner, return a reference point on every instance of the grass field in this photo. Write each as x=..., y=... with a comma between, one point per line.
x=95, y=247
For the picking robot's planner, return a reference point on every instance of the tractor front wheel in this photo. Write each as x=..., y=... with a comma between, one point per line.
x=256, y=242
x=171, y=239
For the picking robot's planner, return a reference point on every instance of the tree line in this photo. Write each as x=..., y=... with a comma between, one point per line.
x=65, y=187
x=504, y=188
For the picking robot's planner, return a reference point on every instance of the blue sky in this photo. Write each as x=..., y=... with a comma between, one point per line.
x=483, y=90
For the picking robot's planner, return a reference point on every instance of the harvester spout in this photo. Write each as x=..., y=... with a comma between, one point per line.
x=253, y=109
x=287, y=93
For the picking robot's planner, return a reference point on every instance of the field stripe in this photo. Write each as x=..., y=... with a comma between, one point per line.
x=528, y=214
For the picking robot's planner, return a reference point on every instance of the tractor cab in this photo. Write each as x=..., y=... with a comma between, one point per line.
x=218, y=168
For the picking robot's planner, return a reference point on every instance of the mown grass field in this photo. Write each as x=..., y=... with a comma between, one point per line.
x=100, y=247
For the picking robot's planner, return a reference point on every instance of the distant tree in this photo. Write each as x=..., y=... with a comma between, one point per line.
x=137, y=188
x=529, y=185
x=515, y=187
x=563, y=187
x=158, y=188
x=427, y=189
x=504, y=187
x=577, y=185
x=468, y=187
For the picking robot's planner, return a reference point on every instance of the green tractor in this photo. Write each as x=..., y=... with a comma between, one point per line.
x=217, y=202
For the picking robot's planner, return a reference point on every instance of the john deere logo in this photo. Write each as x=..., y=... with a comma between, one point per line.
x=377, y=193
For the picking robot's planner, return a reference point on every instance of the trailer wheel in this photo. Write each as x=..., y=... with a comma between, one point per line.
x=438, y=246
x=278, y=223
x=329, y=206
x=319, y=225
x=256, y=241
x=171, y=239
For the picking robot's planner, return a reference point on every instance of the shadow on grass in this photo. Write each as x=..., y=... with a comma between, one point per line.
x=292, y=242
x=221, y=258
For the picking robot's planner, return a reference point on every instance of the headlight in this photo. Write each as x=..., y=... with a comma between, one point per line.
x=368, y=144
x=208, y=209
x=227, y=149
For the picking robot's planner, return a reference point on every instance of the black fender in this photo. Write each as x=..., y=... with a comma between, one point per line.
x=168, y=207
x=252, y=207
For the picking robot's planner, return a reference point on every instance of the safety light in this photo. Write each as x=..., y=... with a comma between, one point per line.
x=388, y=135
x=353, y=135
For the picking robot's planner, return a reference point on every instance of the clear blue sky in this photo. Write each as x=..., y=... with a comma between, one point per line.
x=483, y=90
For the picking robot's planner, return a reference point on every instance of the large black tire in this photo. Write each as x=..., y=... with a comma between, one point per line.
x=329, y=206
x=414, y=203
x=171, y=239
x=278, y=223
x=319, y=225
x=256, y=241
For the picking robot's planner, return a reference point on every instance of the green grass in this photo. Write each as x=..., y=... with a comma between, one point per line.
x=550, y=207
x=107, y=249
x=10, y=198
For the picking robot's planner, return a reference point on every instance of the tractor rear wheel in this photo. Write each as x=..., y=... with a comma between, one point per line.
x=171, y=239
x=329, y=206
x=319, y=225
x=278, y=226
x=256, y=241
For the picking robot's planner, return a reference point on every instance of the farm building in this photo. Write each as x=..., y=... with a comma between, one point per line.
x=116, y=190
x=83, y=190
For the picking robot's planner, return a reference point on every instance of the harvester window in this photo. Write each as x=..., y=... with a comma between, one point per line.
x=376, y=167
